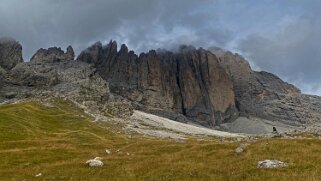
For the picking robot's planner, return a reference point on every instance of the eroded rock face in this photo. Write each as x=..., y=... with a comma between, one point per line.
x=264, y=95
x=190, y=82
x=52, y=73
x=70, y=54
x=10, y=53
x=69, y=79
x=53, y=54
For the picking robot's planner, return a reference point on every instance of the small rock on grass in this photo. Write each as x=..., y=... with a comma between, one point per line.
x=108, y=151
x=271, y=164
x=241, y=148
x=38, y=175
x=96, y=162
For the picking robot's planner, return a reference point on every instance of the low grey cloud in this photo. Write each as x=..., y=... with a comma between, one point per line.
x=293, y=52
x=277, y=36
x=142, y=24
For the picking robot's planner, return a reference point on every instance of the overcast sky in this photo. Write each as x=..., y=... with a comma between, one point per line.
x=279, y=36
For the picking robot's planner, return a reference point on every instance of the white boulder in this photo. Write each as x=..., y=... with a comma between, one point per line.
x=271, y=164
x=108, y=151
x=38, y=175
x=96, y=162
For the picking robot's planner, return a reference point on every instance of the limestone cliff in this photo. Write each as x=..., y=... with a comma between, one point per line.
x=264, y=95
x=190, y=82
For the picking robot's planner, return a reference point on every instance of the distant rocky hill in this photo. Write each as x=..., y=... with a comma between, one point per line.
x=264, y=95
x=214, y=88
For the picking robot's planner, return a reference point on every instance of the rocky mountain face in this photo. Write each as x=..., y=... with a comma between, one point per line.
x=211, y=88
x=45, y=76
x=53, y=54
x=190, y=82
x=54, y=73
x=264, y=95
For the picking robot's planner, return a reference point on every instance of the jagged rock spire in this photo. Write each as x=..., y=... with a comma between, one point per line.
x=70, y=54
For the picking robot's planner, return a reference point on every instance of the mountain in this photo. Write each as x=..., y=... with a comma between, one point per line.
x=190, y=82
x=209, y=87
x=213, y=88
x=266, y=96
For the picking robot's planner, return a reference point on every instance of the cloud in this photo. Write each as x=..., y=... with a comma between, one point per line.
x=142, y=24
x=41, y=23
x=293, y=52
x=278, y=36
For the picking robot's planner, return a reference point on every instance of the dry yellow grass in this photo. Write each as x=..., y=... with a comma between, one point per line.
x=56, y=141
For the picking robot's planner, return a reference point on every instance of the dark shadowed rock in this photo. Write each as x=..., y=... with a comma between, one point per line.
x=10, y=53
x=2, y=71
x=92, y=54
x=190, y=82
x=70, y=54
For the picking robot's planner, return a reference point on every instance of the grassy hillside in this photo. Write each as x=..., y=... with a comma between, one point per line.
x=57, y=139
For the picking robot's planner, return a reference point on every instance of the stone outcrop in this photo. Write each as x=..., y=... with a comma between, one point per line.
x=70, y=79
x=70, y=54
x=53, y=54
x=52, y=74
x=190, y=82
x=10, y=53
x=264, y=95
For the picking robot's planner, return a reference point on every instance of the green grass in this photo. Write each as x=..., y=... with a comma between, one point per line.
x=57, y=140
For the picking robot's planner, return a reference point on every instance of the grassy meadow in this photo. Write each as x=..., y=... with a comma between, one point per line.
x=57, y=139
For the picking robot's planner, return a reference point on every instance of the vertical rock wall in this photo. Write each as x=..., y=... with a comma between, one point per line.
x=190, y=82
